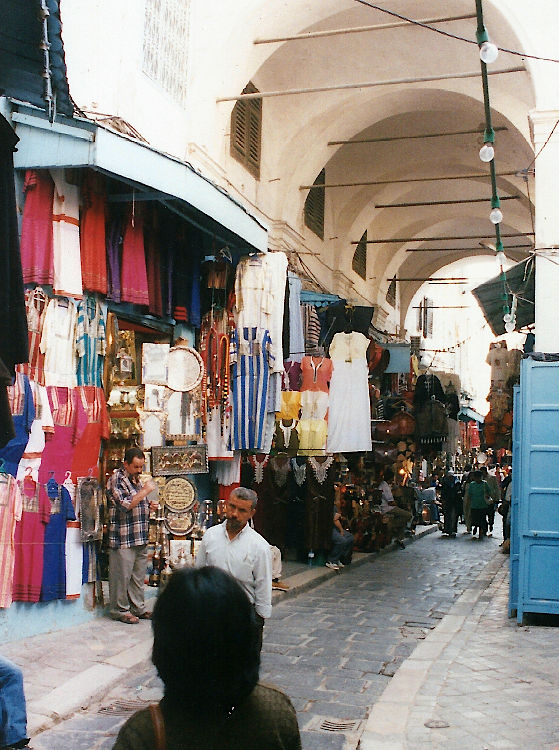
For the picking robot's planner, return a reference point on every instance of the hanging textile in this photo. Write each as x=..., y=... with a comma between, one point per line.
x=10, y=511
x=58, y=343
x=296, y=335
x=22, y=408
x=319, y=493
x=114, y=243
x=349, y=416
x=92, y=233
x=91, y=341
x=59, y=450
x=36, y=302
x=133, y=274
x=54, y=553
x=92, y=426
x=36, y=228
x=41, y=427
x=29, y=542
x=66, y=236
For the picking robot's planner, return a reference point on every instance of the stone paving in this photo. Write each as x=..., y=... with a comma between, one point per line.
x=334, y=649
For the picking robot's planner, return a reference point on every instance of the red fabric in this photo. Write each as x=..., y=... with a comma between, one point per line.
x=29, y=547
x=92, y=426
x=36, y=245
x=133, y=275
x=92, y=234
x=59, y=450
x=316, y=373
x=153, y=265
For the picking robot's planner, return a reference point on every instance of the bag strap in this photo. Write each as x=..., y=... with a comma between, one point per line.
x=158, y=726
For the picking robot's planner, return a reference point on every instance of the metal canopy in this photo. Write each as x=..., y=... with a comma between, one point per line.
x=520, y=280
x=75, y=142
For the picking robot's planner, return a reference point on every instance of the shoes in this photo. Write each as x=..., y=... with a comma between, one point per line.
x=341, y=565
x=146, y=615
x=332, y=566
x=401, y=544
x=279, y=586
x=128, y=618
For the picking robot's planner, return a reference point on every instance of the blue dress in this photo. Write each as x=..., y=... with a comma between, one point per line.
x=54, y=556
x=22, y=407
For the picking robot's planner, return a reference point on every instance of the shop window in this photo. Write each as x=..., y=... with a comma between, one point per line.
x=165, y=48
x=246, y=131
x=359, y=263
x=391, y=293
x=314, y=206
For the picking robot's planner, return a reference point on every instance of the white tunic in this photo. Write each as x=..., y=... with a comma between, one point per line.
x=66, y=237
x=58, y=343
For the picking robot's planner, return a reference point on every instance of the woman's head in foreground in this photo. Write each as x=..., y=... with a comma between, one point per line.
x=205, y=641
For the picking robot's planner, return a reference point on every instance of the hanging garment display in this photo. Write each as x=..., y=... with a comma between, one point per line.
x=296, y=510
x=227, y=472
x=22, y=408
x=319, y=493
x=91, y=341
x=66, y=236
x=296, y=335
x=270, y=516
x=313, y=434
x=89, y=496
x=133, y=274
x=41, y=427
x=286, y=437
x=58, y=343
x=59, y=450
x=92, y=233
x=36, y=302
x=54, y=554
x=10, y=512
x=316, y=373
x=36, y=228
x=291, y=376
x=311, y=328
x=114, y=242
x=74, y=560
x=92, y=426
x=290, y=405
x=427, y=385
x=349, y=407
x=29, y=542
x=251, y=360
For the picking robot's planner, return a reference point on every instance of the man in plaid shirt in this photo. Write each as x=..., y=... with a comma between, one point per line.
x=128, y=536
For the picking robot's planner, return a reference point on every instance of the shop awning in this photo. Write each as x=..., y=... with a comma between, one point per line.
x=520, y=280
x=76, y=142
x=466, y=415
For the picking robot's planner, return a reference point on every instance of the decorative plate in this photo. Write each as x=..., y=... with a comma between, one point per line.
x=186, y=369
x=180, y=523
x=180, y=494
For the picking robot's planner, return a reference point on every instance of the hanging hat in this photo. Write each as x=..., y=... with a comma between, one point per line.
x=378, y=358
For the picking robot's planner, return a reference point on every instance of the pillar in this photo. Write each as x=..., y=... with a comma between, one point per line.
x=547, y=229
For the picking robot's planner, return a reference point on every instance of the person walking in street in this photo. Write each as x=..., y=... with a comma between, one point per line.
x=238, y=549
x=342, y=542
x=205, y=650
x=128, y=537
x=451, y=503
x=495, y=493
x=466, y=479
x=479, y=496
x=13, y=728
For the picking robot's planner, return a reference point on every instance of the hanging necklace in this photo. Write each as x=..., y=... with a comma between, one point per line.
x=321, y=470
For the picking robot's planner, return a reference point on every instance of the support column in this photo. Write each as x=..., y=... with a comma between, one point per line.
x=547, y=229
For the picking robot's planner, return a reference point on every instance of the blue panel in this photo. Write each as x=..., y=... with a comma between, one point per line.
x=543, y=467
x=544, y=383
x=545, y=426
x=543, y=511
x=516, y=474
x=542, y=560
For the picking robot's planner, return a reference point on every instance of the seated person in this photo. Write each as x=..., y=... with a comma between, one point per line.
x=428, y=496
x=398, y=517
x=342, y=542
x=13, y=713
x=205, y=650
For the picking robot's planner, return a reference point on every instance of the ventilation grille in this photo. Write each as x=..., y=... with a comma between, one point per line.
x=332, y=725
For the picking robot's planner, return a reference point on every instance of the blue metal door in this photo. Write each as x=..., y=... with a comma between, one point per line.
x=515, y=494
x=537, y=513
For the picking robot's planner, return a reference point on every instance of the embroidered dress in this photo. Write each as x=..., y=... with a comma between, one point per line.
x=114, y=240
x=91, y=341
x=312, y=436
x=92, y=426
x=92, y=234
x=20, y=398
x=286, y=438
x=251, y=360
x=58, y=343
x=41, y=427
x=54, y=555
x=66, y=237
x=36, y=228
x=314, y=405
x=316, y=373
x=349, y=416
x=290, y=405
x=29, y=541
x=319, y=503
x=296, y=334
x=36, y=302
x=59, y=450
x=10, y=512
x=133, y=275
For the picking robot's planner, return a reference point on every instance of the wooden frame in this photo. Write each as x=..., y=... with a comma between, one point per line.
x=178, y=460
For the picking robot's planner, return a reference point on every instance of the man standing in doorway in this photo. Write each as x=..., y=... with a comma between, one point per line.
x=239, y=550
x=128, y=536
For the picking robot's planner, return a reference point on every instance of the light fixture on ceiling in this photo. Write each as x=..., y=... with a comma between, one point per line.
x=488, y=51
x=496, y=215
x=487, y=151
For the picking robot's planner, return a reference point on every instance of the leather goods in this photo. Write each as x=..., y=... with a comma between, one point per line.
x=385, y=431
x=385, y=454
x=403, y=423
x=377, y=358
x=158, y=726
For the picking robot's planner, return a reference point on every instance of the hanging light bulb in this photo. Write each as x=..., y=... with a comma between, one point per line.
x=496, y=216
x=510, y=325
x=500, y=257
x=507, y=318
x=487, y=152
x=488, y=52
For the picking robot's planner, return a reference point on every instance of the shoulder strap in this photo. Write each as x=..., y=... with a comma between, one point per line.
x=158, y=726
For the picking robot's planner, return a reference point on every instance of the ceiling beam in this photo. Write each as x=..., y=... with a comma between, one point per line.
x=368, y=84
x=359, y=29
x=406, y=180
x=459, y=249
x=441, y=239
x=444, y=203
x=387, y=139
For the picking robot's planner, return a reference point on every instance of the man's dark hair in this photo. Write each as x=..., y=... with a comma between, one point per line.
x=477, y=475
x=467, y=467
x=388, y=475
x=205, y=642
x=131, y=454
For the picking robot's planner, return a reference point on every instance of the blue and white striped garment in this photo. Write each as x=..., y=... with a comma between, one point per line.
x=251, y=361
x=91, y=340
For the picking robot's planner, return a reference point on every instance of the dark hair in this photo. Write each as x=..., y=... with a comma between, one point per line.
x=243, y=493
x=476, y=475
x=388, y=474
x=132, y=453
x=205, y=641
x=468, y=467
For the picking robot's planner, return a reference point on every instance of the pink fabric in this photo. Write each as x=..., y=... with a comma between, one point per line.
x=59, y=450
x=10, y=512
x=92, y=234
x=29, y=545
x=36, y=230
x=316, y=374
x=133, y=275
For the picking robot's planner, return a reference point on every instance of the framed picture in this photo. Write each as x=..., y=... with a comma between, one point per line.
x=186, y=368
x=125, y=359
x=154, y=397
x=152, y=424
x=179, y=459
x=155, y=363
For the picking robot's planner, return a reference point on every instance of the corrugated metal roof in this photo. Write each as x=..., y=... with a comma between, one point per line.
x=22, y=61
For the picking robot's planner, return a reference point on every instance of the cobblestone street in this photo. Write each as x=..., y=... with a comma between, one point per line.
x=333, y=649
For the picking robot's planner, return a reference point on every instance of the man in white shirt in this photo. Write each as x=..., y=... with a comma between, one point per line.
x=238, y=549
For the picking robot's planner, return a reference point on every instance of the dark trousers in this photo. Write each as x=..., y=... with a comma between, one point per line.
x=450, y=511
x=260, y=625
x=479, y=519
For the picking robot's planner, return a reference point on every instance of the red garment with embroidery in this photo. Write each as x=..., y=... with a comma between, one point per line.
x=92, y=427
x=36, y=245
x=59, y=450
x=92, y=234
x=36, y=306
x=29, y=541
x=133, y=275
